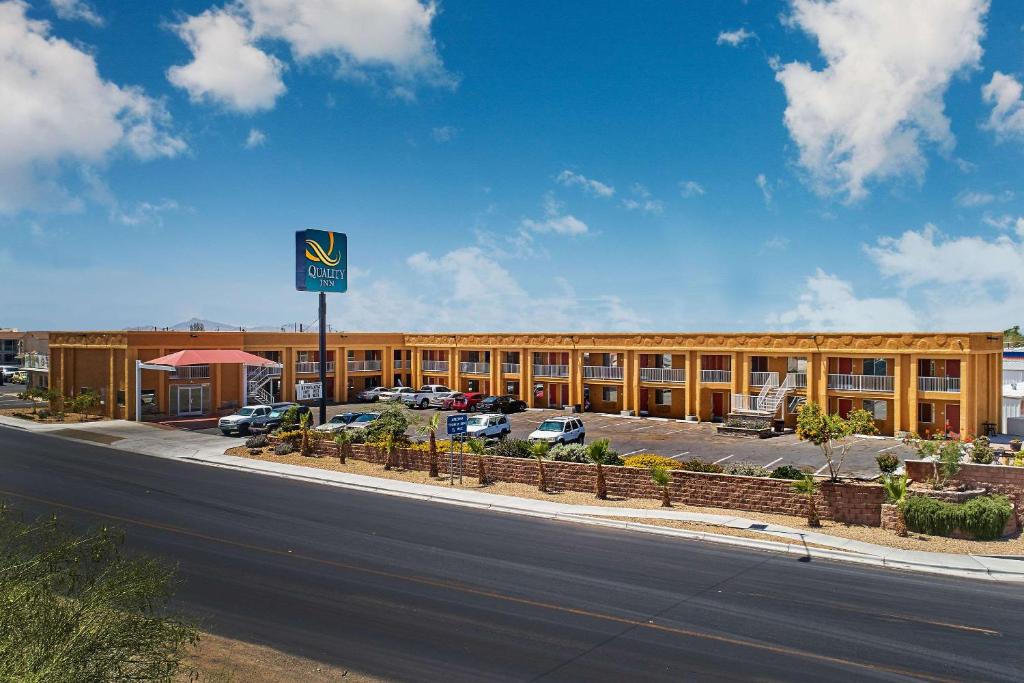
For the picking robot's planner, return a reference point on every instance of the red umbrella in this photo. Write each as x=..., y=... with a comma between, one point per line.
x=210, y=357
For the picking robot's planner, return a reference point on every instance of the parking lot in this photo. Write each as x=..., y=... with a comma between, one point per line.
x=682, y=440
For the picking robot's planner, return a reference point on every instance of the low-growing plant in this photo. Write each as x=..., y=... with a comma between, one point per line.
x=787, y=472
x=895, y=488
x=513, y=448
x=887, y=463
x=649, y=460
x=292, y=437
x=569, y=452
x=284, y=448
x=257, y=441
x=695, y=465
x=746, y=469
x=662, y=479
x=983, y=517
x=290, y=419
x=982, y=451
x=808, y=486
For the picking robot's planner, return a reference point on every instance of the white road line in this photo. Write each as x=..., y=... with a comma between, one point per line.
x=639, y=428
x=889, y=448
x=632, y=453
x=679, y=455
x=821, y=469
x=773, y=462
x=732, y=455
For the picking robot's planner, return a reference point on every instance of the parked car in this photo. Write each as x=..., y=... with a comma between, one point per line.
x=494, y=426
x=396, y=393
x=9, y=372
x=560, y=430
x=422, y=397
x=338, y=422
x=363, y=421
x=20, y=378
x=371, y=395
x=242, y=420
x=467, y=401
x=445, y=402
x=273, y=419
x=500, y=404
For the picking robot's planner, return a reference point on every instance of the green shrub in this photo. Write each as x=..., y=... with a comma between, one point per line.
x=981, y=451
x=575, y=452
x=983, y=517
x=292, y=437
x=787, y=472
x=258, y=441
x=513, y=448
x=696, y=465
x=746, y=469
x=284, y=448
x=651, y=460
x=290, y=418
x=887, y=462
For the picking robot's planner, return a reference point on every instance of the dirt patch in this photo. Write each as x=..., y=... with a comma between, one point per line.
x=82, y=435
x=69, y=418
x=223, y=660
x=876, y=535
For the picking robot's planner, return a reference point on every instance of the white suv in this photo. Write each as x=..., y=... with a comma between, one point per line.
x=490, y=426
x=560, y=430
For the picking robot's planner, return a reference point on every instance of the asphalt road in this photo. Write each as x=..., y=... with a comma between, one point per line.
x=410, y=590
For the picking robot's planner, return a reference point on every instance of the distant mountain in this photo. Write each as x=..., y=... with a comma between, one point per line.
x=208, y=326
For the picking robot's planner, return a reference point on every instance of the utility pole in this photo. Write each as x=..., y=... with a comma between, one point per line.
x=323, y=358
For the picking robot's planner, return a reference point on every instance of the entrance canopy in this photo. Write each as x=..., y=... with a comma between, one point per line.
x=211, y=357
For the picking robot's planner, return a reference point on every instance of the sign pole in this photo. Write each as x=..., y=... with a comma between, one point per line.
x=323, y=358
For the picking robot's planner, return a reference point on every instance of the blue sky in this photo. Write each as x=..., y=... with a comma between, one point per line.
x=515, y=166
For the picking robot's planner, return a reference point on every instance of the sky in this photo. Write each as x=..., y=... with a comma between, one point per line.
x=515, y=166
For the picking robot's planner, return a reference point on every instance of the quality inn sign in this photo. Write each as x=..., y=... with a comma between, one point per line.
x=321, y=261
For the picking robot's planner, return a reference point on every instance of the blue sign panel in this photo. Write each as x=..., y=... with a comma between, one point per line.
x=457, y=424
x=321, y=261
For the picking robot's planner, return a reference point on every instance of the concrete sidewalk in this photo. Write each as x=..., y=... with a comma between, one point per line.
x=209, y=450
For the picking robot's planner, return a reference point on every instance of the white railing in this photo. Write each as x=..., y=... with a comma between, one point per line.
x=948, y=384
x=305, y=367
x=510, y=368
x=675, y=375
x=799, y=380
x=744, y=403
x=435, y=366
x=364, y=366
x=36, y=361
x=551, y=370
x=760, y=379
x=602, y=372
x=860, y=382
x=191, y=372
x=716, y=376
x=474, y=368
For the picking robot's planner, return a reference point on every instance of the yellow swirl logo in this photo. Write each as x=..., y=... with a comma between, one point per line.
x=318, y=255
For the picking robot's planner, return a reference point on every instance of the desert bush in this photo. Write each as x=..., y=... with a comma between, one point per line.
x=982, y=452
x=786, y=472
x=284, y=448
x=258, y=441
x=746, y=469
x=292, y=437
x=649, y=460
x=983, y=517
x=513, y=448
x=696, y=465
x=290, y=418
x=575, y=452
x=887, y=462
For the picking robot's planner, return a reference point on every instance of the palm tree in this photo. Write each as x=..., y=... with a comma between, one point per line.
x=808, y=486
x=479, y=448
x=599, y=452
x=662, y=479
x=306, y=447
x=430, y=429
x=344, y=441
x=896, y=493
x=389, y=448
x=539, y=450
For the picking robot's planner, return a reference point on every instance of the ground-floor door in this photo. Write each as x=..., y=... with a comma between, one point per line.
x=717, y=405
x=953, y=417
x=845, y=407
x=188, y=399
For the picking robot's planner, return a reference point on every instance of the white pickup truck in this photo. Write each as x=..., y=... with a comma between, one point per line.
x=422, y=397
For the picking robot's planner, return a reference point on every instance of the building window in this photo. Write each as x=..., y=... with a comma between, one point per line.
x=925, y=367
x=759, y=364
x=663, y=397
x=796, y=364
x=925, y=413
x=878, y=409
x=666, y=360
x=875, y=366
x=609, y=394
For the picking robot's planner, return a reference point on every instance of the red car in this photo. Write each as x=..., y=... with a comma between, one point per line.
x=465, y=402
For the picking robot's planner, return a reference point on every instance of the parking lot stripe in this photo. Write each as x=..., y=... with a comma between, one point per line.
x=821, y=469
x=731, y=455
x=773, y=462
x=679, y=455
x=632, y=453
x=889, y=448
x=647, y=427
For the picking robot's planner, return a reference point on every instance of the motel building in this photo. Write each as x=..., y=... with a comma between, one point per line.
x=920, y=382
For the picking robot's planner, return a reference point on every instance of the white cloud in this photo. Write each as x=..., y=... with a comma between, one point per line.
x=58, y=111
x=866, y=115
x=1004, y=222
x=974, y=198
x=643, y=201
x=257, y=138
x=72, y=10
x=766, y=188
x=444, y=134
x=1004, y=92
x=595, y=187
x=829, y=304
x=777, y=242
x=144, y=213
x=691, y=188
x=555, y=220
x=735, y=38
x=226, y=65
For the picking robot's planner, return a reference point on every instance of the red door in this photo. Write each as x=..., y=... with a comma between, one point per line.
x=953, y=418
x=953, y=370
x=643, y=399
x=845, y=366
x=845, y=406
x=717, y=404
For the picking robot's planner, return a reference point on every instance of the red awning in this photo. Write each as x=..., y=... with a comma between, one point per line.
x=210, y=357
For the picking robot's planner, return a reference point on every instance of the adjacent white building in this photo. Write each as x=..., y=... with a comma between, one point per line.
x=1013, y=392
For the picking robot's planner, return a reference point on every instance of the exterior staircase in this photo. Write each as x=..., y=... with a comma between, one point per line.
x=257, y=381
x=752, y=415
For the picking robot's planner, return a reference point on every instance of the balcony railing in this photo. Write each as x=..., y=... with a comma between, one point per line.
x=364, y=366
x=191, y=372
x=602, y=372
x=473, y=368
x=799, y=380
x=948, y=384
x=860, y=382
x=674, y=375
x=759, y=379
x=36, y=361
x=435, y=366
x=510, y=368
x=550, y=370
x=720, y=376
x=306, y=367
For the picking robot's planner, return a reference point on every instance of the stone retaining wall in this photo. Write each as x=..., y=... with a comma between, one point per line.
x=1004, y=479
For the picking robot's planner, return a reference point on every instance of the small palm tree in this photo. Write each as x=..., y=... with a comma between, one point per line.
x=305, y=447
x=539, y=450
x=344, y=441
x=389, y=449
x=430, y=429
x=895, y=488
x=479, y=448
x=662, y=479
x=808, y=486
x=600, y=453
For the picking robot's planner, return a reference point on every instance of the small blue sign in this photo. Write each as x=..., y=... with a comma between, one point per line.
x=457, y=424
x=321, y=261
